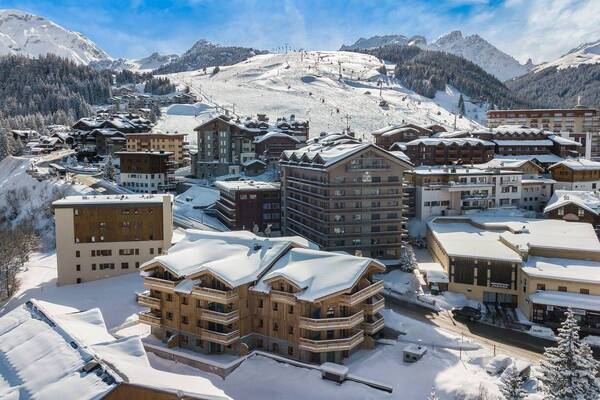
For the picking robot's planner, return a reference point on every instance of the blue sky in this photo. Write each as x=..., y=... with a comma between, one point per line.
x=541, y=29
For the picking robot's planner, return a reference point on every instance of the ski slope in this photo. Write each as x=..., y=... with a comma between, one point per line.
x=308, y=85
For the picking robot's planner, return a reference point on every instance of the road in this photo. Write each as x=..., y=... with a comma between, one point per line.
x=500, y=340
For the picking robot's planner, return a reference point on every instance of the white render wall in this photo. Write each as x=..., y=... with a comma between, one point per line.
x=587, y=185
x=142, y=183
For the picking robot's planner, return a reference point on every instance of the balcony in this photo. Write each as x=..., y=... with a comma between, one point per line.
x=374, y=326
x=377, y=304
x=220, y=337
x=215, y=295
x=283, y=297
x=151, y=282
x=145, y=300
x=149, y=318
x=321, y=346
x=320, y=324
x=219, y=317
x=363, y=294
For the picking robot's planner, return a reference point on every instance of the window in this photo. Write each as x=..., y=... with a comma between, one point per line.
x=260, y=323
x=151, y=250
x=275, y=327
x=137, y=264
x=76, y=212
x=561, y=211
x=184, y=319
x=124, y=265
x=77, y=253
x=184, y=300
x=169, y=297
x=93, y=253
x=260, y=303
x=541, y=286
x=170, y=316
x=562, y=288
x=584, y=291
x=78, y=280
x=290, y=309
x=126, y=252
x=580, y=212
x=137, y=252
x=290, y=350
x=290, y=330
x=93, y=267
x=275, y=306
x=78, y=268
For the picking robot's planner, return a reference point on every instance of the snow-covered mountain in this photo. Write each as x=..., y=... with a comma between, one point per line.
x=308, y=85
x=146, y=64
x=31, y=35
x=586, y=53
x=473, y=48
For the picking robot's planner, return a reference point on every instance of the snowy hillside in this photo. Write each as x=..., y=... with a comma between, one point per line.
x=587, y=53
x=473, y=48
x=30, y=35
x=308, y=85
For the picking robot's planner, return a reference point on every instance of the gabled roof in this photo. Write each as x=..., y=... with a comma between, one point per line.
x=578, y=164
x=449, y=142
x=589, y=201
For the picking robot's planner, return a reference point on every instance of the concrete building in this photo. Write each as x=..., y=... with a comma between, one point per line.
x=345, y=195
x=540, y=266
x=456, y=190
x=580, y=124
x=172, y=143
x=147, y=171
x=104, y=236
x=246, y=204
x=576, y=174
x=232, y=292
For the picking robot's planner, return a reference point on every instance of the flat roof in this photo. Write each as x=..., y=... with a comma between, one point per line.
x=563, y=269
x=153, y=153
x=250, y=186
x=111, y=199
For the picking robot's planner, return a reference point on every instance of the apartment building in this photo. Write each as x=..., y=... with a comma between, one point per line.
x=225, y=144
x=172, y=143
x=387, y=136
x=576, y=174
x=446, y=151
x=580, y=124
x=147, y=171
x=244, y=205
x=231, y=292
x=345, y=195
x=456, y=190
x=541, y=267
x=575, y=205
x=100, y=237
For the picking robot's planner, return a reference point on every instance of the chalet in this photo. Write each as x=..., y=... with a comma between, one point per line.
x=575, y=205
x=576, y=174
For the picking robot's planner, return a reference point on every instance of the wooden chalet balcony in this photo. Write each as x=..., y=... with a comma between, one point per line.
x=371, y=328
x=321, y=346
x=378, y=303
x=219, y=317
x=318, y=324
x=145, y=300
x=151, y=282
x=219, y=337
x=363, y=294
x=149, y=318
x=283, y=297
x=216, y=295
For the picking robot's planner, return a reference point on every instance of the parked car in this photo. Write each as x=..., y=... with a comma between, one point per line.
x=470, y=313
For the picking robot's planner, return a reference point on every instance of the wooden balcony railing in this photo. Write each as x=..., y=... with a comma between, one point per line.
x=149, y=318
x=151, y=282
x=145, y=300
x=377, y=305
x=216, y=295
x=362, y=295
x=318, y=324
x=283, y=297
x=327, y=345
x=219, y=337
x=371, y=328
x=219, y=317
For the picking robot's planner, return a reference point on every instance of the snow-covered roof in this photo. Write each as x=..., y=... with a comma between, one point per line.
x=516, y=130
x=236, y=257
x=541, y=158
x=45, y=348
x=563, y=269
x=318, y=273
x=233, y=186
x=542, y=142
x=449, y=142
x=461, y=170
x=275, y=134
x=566, y=299
x=579, y=164
x=506, y=163
x=111, y=199
x=253, y=161
x=587, y=200
x=563, y=140
x=434, y=271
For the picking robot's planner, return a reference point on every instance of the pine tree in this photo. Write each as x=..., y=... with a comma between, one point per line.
x=433, y=395
x=511, y=385
x=569, y=370
x=109, y=169
x=461, y=105
x=5, y=149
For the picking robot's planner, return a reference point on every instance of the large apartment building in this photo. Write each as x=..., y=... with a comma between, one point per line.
x=446, y=151
x=226, y=144
x=231, y=292
x=580, y=124
x=104, y=236
x=172, y=143
x=387, y=136
x=147, y=171
x=541, y=267
x=345, y=195
x=456, y=190
x=245, y=204
x=576, y=174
